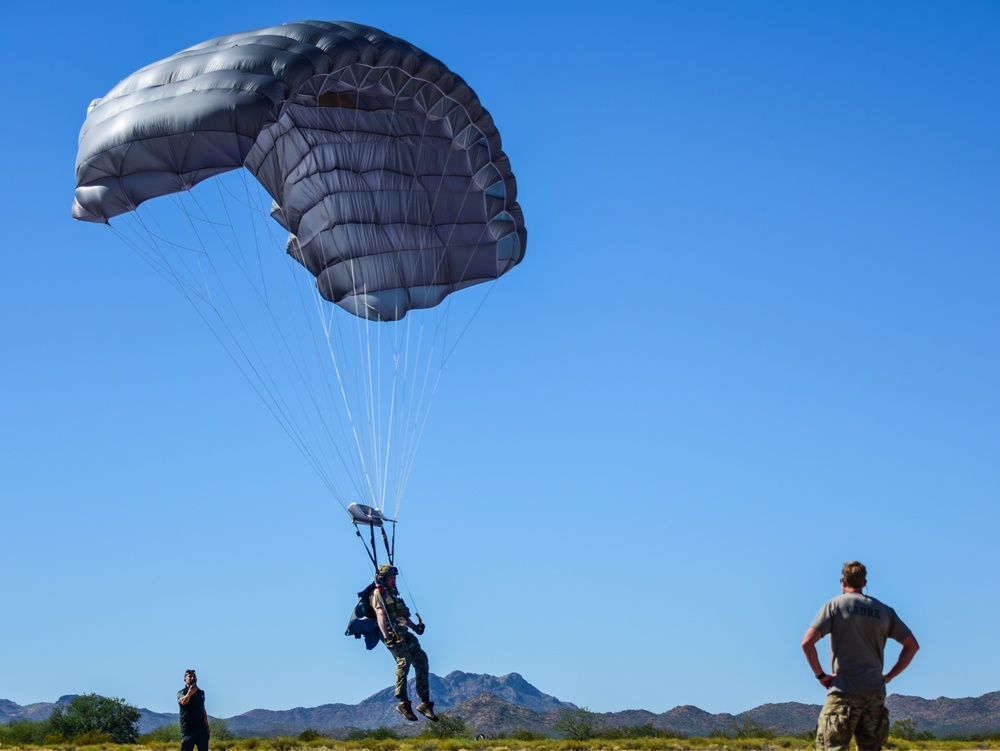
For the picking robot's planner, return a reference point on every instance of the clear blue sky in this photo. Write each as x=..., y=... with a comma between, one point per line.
x=755, y=336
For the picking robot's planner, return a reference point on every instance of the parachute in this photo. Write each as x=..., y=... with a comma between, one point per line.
x=388, y=176
x=383, y=166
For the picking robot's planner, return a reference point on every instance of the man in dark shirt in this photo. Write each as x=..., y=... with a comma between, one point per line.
x=194, y=717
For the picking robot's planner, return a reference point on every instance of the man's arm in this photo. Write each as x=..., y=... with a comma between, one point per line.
x=910, y=648
x=809, y=649
x=383, y=621
x=183, y=700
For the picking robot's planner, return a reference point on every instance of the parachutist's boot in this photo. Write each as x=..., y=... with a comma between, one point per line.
x=404, y=709
x=426, y=708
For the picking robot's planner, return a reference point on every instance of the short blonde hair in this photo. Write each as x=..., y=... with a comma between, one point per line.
x=854, y=574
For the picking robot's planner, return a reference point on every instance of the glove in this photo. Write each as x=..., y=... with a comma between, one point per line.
x=391, y=640
x=419, y=628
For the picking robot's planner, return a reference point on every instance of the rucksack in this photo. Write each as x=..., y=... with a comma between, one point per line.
x=363, y=623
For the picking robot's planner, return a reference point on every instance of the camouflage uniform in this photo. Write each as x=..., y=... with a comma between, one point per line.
x=407, y=650
x=863, y=716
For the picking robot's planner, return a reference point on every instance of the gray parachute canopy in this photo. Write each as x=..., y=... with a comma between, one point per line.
x=382, y=165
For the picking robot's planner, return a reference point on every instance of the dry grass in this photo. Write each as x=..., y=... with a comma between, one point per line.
x=507, y=744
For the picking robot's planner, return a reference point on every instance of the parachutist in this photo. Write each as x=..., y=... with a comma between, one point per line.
x=394, y=622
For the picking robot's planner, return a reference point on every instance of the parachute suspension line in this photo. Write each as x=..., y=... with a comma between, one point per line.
x=409, y=595
x=392, y=417
x=189, y=291
x=325, y=312
x=331, y=338
x=181, y=275
x=364, y=433
x=405, y=419
x=418, y=410
x=446, y=319
x=329, y=324
x=368, y=439
x=448, y=352
x=373, y=380
x=373, y=384
x=153, y=254
x=382, y=445
x=422, y=422
x=313, y=383
x=257, y=210
x=258, y=363
x=349, y=426
x=260, y=290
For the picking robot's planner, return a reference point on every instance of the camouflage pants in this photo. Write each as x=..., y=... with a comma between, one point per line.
x=863, y=716
x=408, y=652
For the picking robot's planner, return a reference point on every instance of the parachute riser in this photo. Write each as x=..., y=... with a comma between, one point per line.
x=371, y=547
x=372, y=517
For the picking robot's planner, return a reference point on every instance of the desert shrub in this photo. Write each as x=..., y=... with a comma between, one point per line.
x=906, y=729
x=311, y=736
x=447, y=726
x=523, y=735
x=220, y=730
x=743, y=730
x=629, y=732
x=23, y=732
x=93, y=738
x=579, y=725
x=372, y=734
x=170, y=733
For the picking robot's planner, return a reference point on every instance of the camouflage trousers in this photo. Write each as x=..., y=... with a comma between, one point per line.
x=862, y=716
x=408, y=652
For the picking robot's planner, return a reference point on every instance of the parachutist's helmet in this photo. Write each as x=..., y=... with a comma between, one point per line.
x=385, y=570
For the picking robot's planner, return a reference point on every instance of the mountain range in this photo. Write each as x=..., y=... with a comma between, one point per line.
x=491, y=705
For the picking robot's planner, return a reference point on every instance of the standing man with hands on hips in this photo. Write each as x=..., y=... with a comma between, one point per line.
x=194, y=717
x=859, y=627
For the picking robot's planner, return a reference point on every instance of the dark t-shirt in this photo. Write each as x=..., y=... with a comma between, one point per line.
x=192, y=713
